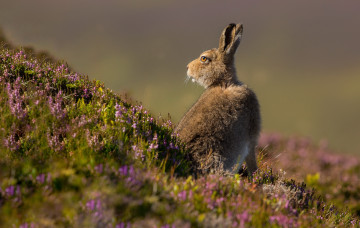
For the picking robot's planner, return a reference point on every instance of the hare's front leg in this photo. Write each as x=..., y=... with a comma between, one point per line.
x=251, y=160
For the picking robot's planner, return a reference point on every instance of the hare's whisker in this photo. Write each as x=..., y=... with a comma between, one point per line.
x=187, y=78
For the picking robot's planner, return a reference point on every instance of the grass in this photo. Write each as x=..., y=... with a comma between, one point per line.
x=75, y=154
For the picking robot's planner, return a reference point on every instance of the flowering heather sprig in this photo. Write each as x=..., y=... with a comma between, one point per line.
x=99, y=168
x=95, y=207
x=40, y=178
x=123, y=170
x=54, y=141
x=13, y=192
x=28, y=225
x=93, y=139
x=243, y=218
x=123, y=225
x=61, y=70
x=16, y=101
x=10, y=191
x=154, y=143
x=11, y=143
x=73, y=77
x=282, y=220
x=138, y=152
x=56, y=106
x=120, y=110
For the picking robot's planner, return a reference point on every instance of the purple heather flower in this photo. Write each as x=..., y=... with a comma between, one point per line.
x=93, y=140
x=131, y=171
x=90, y=205
x=40, y=178
x=118, y=111
x=123, y=170
x=122, y=225
x=99, y=168
x=243, y=218
x=10, y=191
x=219, y=201
x=86, y=93
x=6, y=73
x=15, y=100
x=54, y=142
x=138, y=152
x=269, y=139
x=26, y=225
x=11, y=143
x=82, y=122
x=182, y=195
x=95, y=207
x=168, y=226
x=49, y=178
x=155, y=137
x=282, y=220
x=153, y=146
x=55, y=106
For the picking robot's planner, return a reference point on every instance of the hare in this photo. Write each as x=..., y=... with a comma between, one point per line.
x=221, y=129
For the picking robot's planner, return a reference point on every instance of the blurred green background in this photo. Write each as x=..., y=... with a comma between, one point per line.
x=301, y=57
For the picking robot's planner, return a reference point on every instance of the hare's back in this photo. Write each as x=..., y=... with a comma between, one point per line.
x=218, y=112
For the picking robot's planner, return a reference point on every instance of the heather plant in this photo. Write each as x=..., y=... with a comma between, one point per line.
x=75, y=154
x=335, y=176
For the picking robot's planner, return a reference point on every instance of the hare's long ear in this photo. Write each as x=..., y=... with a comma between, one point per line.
x=230, y=39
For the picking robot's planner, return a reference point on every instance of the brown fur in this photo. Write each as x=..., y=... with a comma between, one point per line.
x=226, y=118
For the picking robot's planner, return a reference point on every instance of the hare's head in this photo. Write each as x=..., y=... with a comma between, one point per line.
x=216, y=66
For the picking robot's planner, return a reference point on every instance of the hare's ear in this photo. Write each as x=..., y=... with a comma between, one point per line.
x=230, y=39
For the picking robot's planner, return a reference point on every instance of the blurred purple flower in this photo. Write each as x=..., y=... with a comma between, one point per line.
x=153, y=146
x=90, y=205
x=123, y=170
x=99, y=168
x=243, y=218
x=54, y=142
x=11, y=143
x=10, y=191
x=182, y=195
x=119, y=111
x=168, y=226
x=56, y=106
x=95, y=207
x=122, y=225
x=16, y=101
x=26, y=225
x=282, y=220
x=93, y=140
x=138, y=152
x=269, y=139
x=40, y=178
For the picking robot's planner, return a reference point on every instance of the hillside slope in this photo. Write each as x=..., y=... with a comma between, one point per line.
x=75, y=154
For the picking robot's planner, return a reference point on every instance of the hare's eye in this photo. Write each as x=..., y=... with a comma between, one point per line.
x=203, y=59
